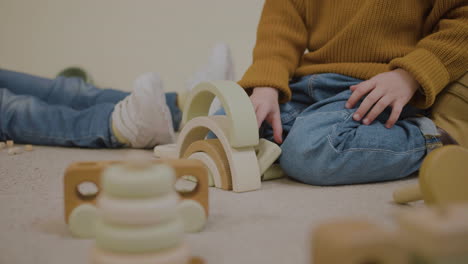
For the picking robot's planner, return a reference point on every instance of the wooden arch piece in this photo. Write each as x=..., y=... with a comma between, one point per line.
x=243, y=164
x=214, y=149
x=237, y=105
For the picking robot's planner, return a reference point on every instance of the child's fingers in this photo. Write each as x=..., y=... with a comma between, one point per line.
x=376, y=110
x=359, y=91
x=396, y=111
x=261, y=113
x=366, y=105
x=275, y=123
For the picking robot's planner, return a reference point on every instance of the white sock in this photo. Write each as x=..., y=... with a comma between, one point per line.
x=143, y=117
x=219, y=67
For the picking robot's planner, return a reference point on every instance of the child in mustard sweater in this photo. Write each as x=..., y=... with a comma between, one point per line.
x=343, y=84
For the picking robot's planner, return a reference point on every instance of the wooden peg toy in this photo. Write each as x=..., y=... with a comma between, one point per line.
x=80, y=172
x=443, y=178
x=138, y=219
x=28, y=148
x=355, y=242
x=10, y=143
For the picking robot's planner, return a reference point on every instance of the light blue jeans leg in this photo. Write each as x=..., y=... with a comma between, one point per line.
x=72, y=92
x=27, y=119
x=325, y=146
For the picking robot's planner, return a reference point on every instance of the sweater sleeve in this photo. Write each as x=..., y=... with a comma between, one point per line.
x=281, y=41
x=440, y=57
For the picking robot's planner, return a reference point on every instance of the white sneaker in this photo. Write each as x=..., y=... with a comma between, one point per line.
x=219, y=67
x=143, y=118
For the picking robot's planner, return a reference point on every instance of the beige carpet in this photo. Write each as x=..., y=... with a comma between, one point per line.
x=271, y=225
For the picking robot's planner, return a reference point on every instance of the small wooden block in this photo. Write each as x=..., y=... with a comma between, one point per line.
x=168, y=151
x=214, y=149
x=267, y=153
x=2, y=145
x=435, y=233
x=80, y=172
x=355, y=242
x=10, y=143
x=14, y=151
x=28, y=148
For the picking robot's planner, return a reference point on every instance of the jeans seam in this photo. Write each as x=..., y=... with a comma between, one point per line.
x=328, y=112
x=310, y=88
x=329, y=139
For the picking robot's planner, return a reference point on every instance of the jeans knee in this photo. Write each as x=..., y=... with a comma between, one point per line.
x=310, y=163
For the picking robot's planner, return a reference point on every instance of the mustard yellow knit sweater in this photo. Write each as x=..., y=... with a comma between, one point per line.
x=361, y=38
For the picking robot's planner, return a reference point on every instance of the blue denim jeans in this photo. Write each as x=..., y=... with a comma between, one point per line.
x=323, y=145
x=60, y=112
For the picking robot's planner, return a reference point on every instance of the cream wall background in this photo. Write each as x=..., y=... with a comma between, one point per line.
x=116, y=40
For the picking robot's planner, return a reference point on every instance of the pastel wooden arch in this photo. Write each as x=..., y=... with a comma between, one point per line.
x=237, y=105
x=243, y=163
x=215, y=151
x=210, y=165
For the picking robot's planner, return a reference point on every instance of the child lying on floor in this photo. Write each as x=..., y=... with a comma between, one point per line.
x=69, y=112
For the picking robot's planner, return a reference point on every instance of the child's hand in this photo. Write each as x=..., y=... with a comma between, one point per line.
x=394, y=88
x=265, y=103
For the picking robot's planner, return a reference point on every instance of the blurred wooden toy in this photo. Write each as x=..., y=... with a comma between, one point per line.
x=425, y=236
x=10, y=143
x=355, y=242
x=14, y=151
x=435, y=235
x=28, y=148
x=138, y=219
x=82, y=172
x=443, y=178
x=2, y=145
